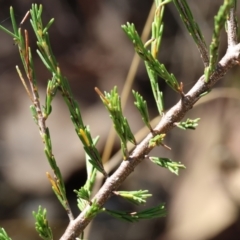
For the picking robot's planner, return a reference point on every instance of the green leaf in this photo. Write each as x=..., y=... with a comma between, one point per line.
x=14, y=24
x=157, y=32
x=93, y=210
x=83, y=193
x=158, y=95
x=41, y=224
x=9, y=32
x=113, y=105
x=193, y=28
x=168, y=163
x=48, y=26
x=34, y=114
x=155, y=212
x=156, y=140
x=135, y=197
x=81, y=203
x=219, y=22
x=147, y=56
x=91, y=150
x=4, y=235
x=45, y=61
x=189, y=124
x=141, y=105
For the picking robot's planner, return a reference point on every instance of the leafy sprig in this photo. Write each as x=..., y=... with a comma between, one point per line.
x=155, y=212
x=84, y=193
x=41, y=224
x=4, y=235
x=141, y=105
x=135, y=197
x=193, y=28
x=172, y=166
x=219, y=22
x=147, y=56
x=22, y=41
x=112, y=103
x=57, y=83
x=188, y=124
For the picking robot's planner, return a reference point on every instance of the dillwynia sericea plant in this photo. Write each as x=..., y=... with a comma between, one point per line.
x=89, y=205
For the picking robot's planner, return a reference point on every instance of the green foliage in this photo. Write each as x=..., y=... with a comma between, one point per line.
x=22, y=42
x=157, y=140
x=113, y=105
x=4, y=235
x=15, y=33
x=155, y=212
x=93, y=210
x=91, y=150
x=141, y=105
x=135, y=197
x=84, y=193
x=189, y=124
x=147, y=56
x=219, y=22
x=157, y=32
x=168, y=163
x=41, y=224
x=57, y=83
x=192, y=27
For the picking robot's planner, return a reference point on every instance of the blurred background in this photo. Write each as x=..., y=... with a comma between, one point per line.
x=92, y=50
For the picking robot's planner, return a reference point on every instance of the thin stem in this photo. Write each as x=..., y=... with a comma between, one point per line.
x=27, y=60
x=232, y=28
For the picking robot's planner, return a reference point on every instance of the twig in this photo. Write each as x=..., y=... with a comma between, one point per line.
x=175, y=114
x=40, y=116
x=232, y=28
x=36, y=102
